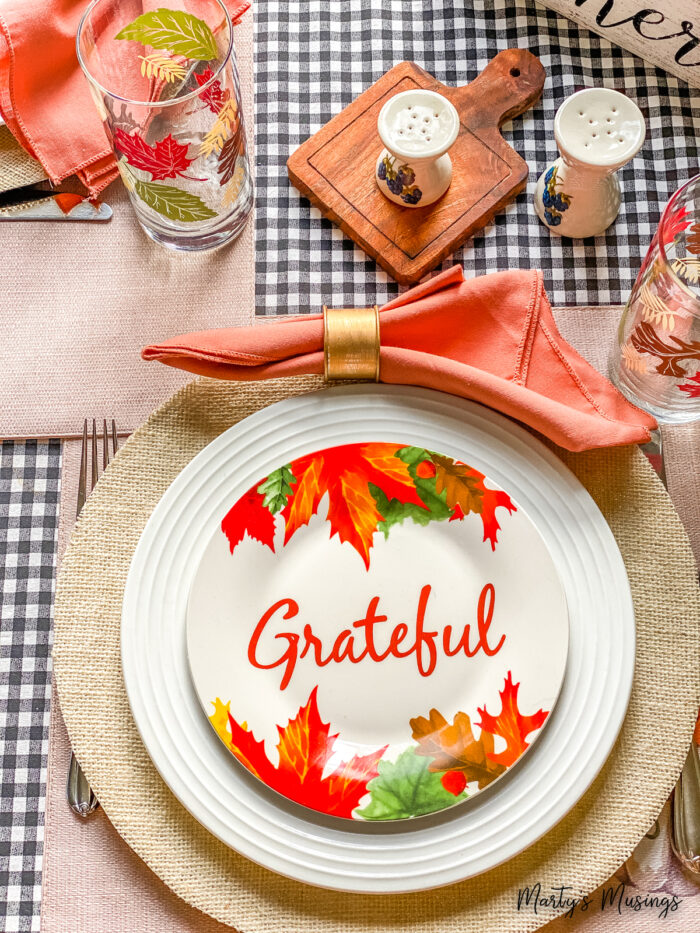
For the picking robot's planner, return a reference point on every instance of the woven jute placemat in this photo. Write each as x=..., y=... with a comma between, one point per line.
x=17, y=167
x=582, y=851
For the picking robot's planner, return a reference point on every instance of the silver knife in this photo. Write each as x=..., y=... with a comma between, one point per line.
x=685, y=823
x=32, y=203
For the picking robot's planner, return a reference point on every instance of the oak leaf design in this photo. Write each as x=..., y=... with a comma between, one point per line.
x=453, y=747
x=510, y=724
x=645, y=339
x=460, y=484
x=693, y=240
x=467, y=491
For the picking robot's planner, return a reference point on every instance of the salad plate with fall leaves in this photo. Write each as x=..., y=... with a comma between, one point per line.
x=377, y=638
x=376, y=631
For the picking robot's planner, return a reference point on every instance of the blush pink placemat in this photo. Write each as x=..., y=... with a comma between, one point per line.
x=92, y=882
x=79, y=300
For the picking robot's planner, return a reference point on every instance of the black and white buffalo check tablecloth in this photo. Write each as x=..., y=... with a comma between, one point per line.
x=312, y=58
x=29, y=495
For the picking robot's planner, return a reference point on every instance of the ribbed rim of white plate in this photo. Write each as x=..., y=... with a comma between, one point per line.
x=430, y=851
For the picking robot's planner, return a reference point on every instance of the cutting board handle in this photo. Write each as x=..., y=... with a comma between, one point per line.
x=508, y=86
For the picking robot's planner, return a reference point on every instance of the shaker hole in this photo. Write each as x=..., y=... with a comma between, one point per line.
x=620, y=139
x=428, y=138
x=515, y=72
x=580, y=113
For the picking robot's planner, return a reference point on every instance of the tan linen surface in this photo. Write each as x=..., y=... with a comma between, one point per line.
x=79, y=301
x=583, y=850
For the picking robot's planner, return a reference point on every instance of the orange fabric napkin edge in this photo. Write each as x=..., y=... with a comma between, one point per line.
x=98, y=169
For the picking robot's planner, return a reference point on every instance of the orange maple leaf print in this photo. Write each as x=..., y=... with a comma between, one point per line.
x=345, y=473
x=305, y=747
x=510, y=724
x=249, y=516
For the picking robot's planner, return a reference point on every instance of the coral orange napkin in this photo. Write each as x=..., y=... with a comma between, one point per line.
x=44, y=96
x=491, y=338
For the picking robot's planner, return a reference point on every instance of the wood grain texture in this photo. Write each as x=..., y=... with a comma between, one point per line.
x=334, y=169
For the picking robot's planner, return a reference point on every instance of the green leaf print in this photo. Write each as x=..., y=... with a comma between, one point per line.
x=277, y=488
x=173, y=203
x=175, y=31
x=406, y=788
x=394, y=512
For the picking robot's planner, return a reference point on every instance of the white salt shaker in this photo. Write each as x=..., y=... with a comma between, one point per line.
x=417, y=128
x=597, y=130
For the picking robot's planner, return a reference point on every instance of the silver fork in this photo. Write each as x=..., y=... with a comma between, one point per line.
x=80, y=795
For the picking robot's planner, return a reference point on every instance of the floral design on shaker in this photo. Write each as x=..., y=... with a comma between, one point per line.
x=370, y=488
x=554, y=203
x=187, y=39
x=436, y=771
x=400, y=181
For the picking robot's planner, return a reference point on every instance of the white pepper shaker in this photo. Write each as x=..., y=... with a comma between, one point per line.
x=597, y=130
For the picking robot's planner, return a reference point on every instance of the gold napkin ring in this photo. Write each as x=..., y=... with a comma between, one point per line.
x=351, y=343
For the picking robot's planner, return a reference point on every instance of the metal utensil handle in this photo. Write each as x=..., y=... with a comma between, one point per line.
x=81, y=797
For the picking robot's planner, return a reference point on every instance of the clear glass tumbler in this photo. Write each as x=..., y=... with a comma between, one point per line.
x=166, y=86
x=656, y=362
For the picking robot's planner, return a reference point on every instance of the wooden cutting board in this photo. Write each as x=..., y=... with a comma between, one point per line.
x=334, y=168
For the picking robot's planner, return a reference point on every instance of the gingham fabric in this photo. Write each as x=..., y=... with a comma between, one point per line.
x=312, y=58
x=29, y=494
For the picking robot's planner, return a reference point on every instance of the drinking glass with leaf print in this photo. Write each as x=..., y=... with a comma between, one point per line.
x=656, y=361
x=166, y=86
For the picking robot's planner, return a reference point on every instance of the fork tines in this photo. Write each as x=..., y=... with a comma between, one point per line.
x=92, y=446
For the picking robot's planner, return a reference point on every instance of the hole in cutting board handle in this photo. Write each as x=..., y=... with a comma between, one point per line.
x=515, y=72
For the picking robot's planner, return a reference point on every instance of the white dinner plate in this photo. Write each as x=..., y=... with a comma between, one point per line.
x=389, y=626
x=352, y=855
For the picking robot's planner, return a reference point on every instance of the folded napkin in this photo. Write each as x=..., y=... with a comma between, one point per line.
x=44, y=96
x=491, y=338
